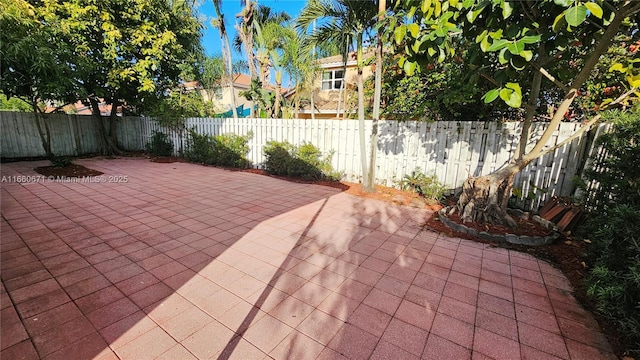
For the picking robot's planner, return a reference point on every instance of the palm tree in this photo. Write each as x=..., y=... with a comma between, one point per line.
x=377, y=92
x=226, y=51
x=346, y=22
x=250, y=17
x=276, y=48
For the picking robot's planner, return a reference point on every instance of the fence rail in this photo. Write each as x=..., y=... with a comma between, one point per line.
x=452, y=150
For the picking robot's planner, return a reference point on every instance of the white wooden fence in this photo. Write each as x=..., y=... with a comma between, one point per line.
x=451, y=150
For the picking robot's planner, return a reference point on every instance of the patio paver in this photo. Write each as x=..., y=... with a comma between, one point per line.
x=190, y=262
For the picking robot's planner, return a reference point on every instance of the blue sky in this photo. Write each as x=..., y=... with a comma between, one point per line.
x=211, y=38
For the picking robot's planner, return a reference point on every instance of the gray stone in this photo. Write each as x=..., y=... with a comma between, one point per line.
x=544, y=222
x=512, y=239
x=529, y=240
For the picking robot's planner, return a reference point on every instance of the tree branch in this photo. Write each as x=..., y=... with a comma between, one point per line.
x=586, y=126
x=580, y=131
x=490, y=79
x=546, y=74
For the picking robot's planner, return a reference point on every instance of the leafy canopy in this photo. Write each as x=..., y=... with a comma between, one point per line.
x=110, y=49
x=510, y=39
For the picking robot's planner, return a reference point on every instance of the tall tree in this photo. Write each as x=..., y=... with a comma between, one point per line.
x=382, y=8
x=218, y=22
x=251, y=17
x=344, y=22
x=33, y=65
x=276, y=48
x=120, y=51
x=517, y=44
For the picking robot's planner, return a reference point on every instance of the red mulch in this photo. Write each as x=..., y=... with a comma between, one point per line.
x=166, y=159
x=67, y=171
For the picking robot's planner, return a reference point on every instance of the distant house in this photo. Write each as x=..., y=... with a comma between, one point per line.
x=329, y=101
x=83, y=108
x=221, y=96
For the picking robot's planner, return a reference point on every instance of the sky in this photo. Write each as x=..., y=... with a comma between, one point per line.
x=211, y=38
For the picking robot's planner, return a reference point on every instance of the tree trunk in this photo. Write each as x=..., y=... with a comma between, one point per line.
x=377, y=94
x=45, y=135
x=276, y=105
x=112, y=135
x=361, y=133
x=484, y=199
x=312, y=105
x=226, y=53
x=105, y=144
x=246, y=34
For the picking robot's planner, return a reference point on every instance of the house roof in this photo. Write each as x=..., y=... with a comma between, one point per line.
x=242, y=79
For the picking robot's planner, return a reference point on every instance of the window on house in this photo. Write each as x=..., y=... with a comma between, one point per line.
x=332, y=80
x=218, y=93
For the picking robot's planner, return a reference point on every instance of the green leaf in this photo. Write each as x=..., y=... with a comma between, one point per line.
x=414, y=29
x=594, y=9
x=576, y=15
x=485, y=44
x=511, y=97
x=426, y=4
x=558, y=21
x=565, y=3
x=491, y=95
x=507, y=9
x=453, y=3
x=442, y=55
x=516, y=47
x=502, y=58
x=518, y=63
x=431, y=51
x=634, y=81
x=498, y=44
x=416, y=46
x=496, y=34
x=481, y=37
x=515, y=87
x=531, y=39
x=409, y=67
x=412, y=12
x=399, y=33
x=618, y=67
x=473, y=15
x=526, y=54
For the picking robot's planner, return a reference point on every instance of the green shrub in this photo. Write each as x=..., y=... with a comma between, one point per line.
x=278, y=156
x=426, y=186
x=304, y=161
x=222, y=150
x=231, y=150
x=618, y=173
x=199, y=148
x=614, y=278
x=61, y=161
x=613, y=226
x=160, y=145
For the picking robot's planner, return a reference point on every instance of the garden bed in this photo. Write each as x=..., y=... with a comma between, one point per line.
x=69, y=171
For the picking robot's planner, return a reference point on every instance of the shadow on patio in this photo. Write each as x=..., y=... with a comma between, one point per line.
x=185, y=261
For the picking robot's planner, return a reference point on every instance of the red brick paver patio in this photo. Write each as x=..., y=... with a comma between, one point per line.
x=190, y=262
